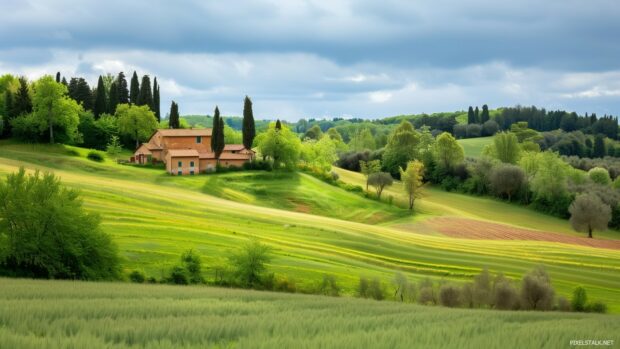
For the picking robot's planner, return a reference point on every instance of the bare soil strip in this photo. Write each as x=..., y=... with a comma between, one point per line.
x=472, y=229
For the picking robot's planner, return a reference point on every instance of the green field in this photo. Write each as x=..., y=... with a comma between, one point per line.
x=64, y=314
x=473, y=146
x=154, y=217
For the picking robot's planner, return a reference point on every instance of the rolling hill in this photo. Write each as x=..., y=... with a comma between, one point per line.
x=154, y=217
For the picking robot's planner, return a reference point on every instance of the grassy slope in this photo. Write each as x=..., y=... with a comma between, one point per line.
x=63, y=314
x=473, y=146
x=153, y=224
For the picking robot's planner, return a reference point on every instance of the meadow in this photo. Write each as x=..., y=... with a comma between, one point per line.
x=154, y=217
x=65, y=314
x=473, y=147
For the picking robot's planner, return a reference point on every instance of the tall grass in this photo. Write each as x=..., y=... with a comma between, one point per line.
x=63, y=314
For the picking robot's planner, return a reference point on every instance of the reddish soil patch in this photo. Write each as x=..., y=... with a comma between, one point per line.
x=472, y=229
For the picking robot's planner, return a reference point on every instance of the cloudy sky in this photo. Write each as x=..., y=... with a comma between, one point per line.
x=333, y=58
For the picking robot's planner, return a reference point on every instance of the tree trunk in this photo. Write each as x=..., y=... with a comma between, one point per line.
x=51, y=134
x=411, y=200
x=590, y=232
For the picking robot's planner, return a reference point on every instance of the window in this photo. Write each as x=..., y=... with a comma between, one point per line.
x=198, y=139
x=191, y=164
x=180, y=163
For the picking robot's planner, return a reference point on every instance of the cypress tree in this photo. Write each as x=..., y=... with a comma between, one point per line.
x=477, y=114
x=484, y=117
x=81, y=93
x=113, y=98
x=145, y=97
x=173, y=119
x=471, y=117
x=23, y=103
x=134, y=89
x=100, y=100
x=221, y=142
x=278, y=125
x=599, y=151
x=216, y=140
x=248, y=127
x=64, y=81
x=156, y=103
x=57, y=76
x=123, y=91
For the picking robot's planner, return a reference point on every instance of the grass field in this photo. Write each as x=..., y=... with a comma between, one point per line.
x=473, y=146
x=64, y=314
x=154, y=217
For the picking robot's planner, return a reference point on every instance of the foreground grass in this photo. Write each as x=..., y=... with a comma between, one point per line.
x=64, y=314
x=155, y=217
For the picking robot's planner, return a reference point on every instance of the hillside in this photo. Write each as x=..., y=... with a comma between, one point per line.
x=473, y=147
x=154, y=217
x=62, y=314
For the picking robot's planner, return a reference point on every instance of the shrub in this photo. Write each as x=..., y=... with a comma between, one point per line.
x=249, y=264
x=137, y=276
x=596, y=307
x=427, y=293
x=578, y=302
x=178, y=276
x=284, y=284
x=73, y=247
x=474, y=130
x=362, y=287
x=114, y=147
x=151, y=280
x=193, y=266
x=375, y=289
x=489, y=128
x=599, y=175
x=95, y=156
x=505, y=296
x=467, y=295
x=536, y=291
x=482, y=289
x=507, y=179
x=450, y=296
x=563, y=304
x=329, y=286
x=72, y=152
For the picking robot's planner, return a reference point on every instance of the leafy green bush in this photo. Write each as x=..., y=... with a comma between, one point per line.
x=51, y=235
x=450, y=296
x=72, y=152
x=578, y=302
x=178, y=276
x=137, y=276
x=95, y=155
x=596, y=307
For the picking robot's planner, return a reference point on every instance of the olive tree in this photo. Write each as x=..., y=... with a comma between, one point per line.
x=380, y=180
x=589, y=213
x=507, y=179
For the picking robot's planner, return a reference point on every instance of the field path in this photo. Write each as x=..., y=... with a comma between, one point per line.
x=464, y=228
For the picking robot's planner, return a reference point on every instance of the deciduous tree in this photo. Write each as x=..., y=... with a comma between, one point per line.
x=448, y=152
x=412, y=180
x=136, y=122
x=589, y=213
x=380, y=180
x=52, y=108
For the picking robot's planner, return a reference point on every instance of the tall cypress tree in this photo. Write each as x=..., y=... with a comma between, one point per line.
x=112, y=98
x=57, y=76
x=471, y=117
x=23, y=103
x=100, y=100
x=217, y=134
x=64, y=81
x=599, y=150
x=484, y=117
x=123, y=91
x=173, y=119
x=156, y=103
x=248, y=127
x=477, y=114
x=134, y=90
x=278, y=125
x=145, y=97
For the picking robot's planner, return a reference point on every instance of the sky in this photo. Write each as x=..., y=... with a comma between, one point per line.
x=337, y=58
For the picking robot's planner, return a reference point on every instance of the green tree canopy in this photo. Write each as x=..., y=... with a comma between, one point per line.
x=136, y=122
x=412, y=180
x=589, y=213
x=52, y=108
x=448, y=152
x=505, y=148
x=402, y=147
x=319, y=154
x=45, y=231
x=279, y=144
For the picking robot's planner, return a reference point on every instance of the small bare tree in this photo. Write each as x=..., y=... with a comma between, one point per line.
x=589, y=213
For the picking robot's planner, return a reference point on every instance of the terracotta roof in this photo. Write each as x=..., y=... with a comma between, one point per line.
x=179, y=132
x=231, y=156
x=178, y=153
x=151, y=146
x=234, y=147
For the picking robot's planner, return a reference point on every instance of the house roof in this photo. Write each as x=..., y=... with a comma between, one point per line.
x=207, y=155
x=231, y=156
x=151, y=146
x=179, y=132
x=183, y=153
x=234, y=147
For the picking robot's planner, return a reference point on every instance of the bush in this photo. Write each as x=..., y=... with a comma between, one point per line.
x=450, y=296
x=599, y=175
x=249, y=264
x=578, y=302
x=284, y=284
x=563, y=304
x=193, y=266
x=507, y=179
x=596, y=307
x=73, y=247
x=137, y=276
x=505, y=296
x=95, y=156
x=427, y=293
x=151, y=280
x=370, y=289
x=178, y=276
x=72, y=152
x=257, y=164
x=329, y=286
x=536, y=291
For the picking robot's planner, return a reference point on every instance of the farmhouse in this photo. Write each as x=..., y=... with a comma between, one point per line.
x=188, y=151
